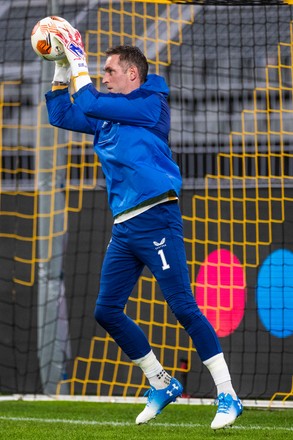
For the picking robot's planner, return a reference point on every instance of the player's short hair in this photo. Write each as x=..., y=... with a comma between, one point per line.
x=131, y=55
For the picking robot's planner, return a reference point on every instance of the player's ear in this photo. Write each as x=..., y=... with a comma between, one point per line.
x=133, y=73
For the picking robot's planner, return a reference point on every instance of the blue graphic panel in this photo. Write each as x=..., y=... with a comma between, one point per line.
x=274, y=293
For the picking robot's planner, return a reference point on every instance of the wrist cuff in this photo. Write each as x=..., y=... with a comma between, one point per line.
x=81, y=80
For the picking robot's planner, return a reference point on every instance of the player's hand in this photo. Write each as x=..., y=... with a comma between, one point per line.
x=72, y=42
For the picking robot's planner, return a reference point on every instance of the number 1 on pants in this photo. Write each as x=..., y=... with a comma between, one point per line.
x=164, y=261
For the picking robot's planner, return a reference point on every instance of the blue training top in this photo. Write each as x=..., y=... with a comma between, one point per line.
x=130, y=137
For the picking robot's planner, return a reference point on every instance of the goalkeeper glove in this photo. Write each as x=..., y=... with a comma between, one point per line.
x=71, y=40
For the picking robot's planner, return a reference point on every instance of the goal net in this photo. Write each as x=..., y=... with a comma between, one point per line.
x=229, y=69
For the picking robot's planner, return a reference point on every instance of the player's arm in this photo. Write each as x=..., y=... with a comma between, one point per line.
x=63, y=113
x=138, y=109
x=134, y=109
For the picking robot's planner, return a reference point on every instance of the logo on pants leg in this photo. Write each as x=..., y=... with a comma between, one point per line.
x=160, y=244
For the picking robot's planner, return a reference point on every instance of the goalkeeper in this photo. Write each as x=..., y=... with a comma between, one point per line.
x=131, y=125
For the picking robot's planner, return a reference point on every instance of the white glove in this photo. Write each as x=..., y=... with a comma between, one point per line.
x=62, y=72
x=71, y=40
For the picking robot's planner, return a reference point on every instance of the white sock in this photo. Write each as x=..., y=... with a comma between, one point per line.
x=220, y=373
x=155, y=373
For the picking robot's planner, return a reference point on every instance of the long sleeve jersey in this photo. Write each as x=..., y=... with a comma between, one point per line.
x=130, y=138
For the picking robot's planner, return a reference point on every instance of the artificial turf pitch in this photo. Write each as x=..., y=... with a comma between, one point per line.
x=62, y=420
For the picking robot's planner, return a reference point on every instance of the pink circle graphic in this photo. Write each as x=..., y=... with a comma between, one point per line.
x=221, y=291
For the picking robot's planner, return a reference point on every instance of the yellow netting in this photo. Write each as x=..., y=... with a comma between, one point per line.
x=234, y=212
x=224, y=216
x=284, y=396
x=23, y=204
x=241, y=211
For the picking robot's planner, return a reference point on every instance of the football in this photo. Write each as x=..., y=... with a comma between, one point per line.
x=43, y=39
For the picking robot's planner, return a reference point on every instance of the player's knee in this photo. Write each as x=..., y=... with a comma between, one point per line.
x=101, y=314
x=105, y=315
x=185, y=309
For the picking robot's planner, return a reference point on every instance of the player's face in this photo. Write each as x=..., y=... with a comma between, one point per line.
x=118, y=78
